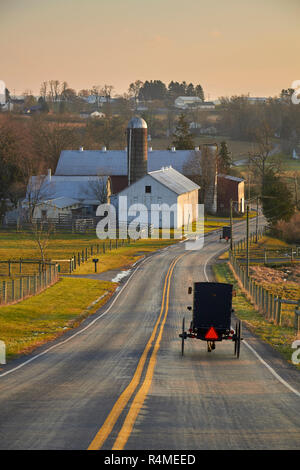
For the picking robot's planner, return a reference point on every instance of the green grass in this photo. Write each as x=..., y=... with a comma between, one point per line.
x=279, y=337
x=41, y=318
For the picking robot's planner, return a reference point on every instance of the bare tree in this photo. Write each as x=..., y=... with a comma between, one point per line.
x=41, y=229
x=96, y=91
x=44, y=89
x=193, y=167
x=100, y=189
x=107, y=91
x=134, y=90
x=38, y=190
x=263, y=158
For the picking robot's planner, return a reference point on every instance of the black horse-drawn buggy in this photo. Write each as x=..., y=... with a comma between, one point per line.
x=225, y=233
x=211, y=321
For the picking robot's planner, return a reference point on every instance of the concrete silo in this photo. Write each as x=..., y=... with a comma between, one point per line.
x=137, y=150
x=209, y=168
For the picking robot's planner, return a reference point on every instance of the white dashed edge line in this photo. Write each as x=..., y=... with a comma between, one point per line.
x=273, y=372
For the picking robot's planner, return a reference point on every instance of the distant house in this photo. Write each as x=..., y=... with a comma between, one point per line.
x=92, y=115
x=256, y=99
x=230, y=188
x=96, y=99
x=184, y=102
x=207, y=105
x=97, y=115
x=56, y=208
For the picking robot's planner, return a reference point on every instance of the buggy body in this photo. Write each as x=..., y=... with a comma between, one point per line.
x=211, y=315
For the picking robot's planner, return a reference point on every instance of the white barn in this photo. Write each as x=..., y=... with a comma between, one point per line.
x=164, y=186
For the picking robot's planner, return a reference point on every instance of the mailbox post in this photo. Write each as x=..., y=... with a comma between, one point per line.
x=95, y=260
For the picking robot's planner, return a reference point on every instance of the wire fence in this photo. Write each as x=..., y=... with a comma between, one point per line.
x=69, y=265
x=275, y=309
x=15, y=290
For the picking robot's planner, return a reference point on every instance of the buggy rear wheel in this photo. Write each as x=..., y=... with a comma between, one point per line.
x=183, y=336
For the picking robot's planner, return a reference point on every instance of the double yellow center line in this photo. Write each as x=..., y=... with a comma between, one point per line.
x=139, y=399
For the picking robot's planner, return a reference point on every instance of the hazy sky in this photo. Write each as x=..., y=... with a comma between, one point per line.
x=229, y=46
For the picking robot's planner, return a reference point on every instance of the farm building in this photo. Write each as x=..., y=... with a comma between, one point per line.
x=230, y=188
x=54, y=196
x=165, y=186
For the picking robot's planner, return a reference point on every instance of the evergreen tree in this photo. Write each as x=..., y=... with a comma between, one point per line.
x=277, y=199
x=224, y=159
x=43, y=105
x=199, y=92
x=183, y=139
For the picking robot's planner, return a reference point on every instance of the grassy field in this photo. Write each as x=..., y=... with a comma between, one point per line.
x=46, y=316
x=15, y=245
x=279, y=337
x=62, y=246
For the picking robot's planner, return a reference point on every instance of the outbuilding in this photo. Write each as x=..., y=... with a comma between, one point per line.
x=165, y=194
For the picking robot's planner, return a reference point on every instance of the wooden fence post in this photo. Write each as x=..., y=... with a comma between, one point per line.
x=297, y=318
x=21, y=288
x=4, y=292
x=278, y=316
x=12, y=289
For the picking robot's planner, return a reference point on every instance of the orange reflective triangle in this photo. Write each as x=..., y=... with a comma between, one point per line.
x=211, y=334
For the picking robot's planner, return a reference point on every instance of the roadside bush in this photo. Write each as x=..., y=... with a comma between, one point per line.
x=289, y=231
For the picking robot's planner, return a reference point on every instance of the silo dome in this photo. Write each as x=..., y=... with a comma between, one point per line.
x=137, y=149
x=137, y=123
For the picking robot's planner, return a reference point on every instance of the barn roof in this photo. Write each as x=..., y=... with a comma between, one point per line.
x=232, y=178
x=61, y=202
x=80, y=188
x=174, y=180
x=92, y=163
x=114, y=162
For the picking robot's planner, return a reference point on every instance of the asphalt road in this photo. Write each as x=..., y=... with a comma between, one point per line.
x=120, y=382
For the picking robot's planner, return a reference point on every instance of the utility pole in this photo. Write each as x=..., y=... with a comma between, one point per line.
x=256, y=236
x=247, y=241
x=231, y=226
x=296, y=190
x=249, y=189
